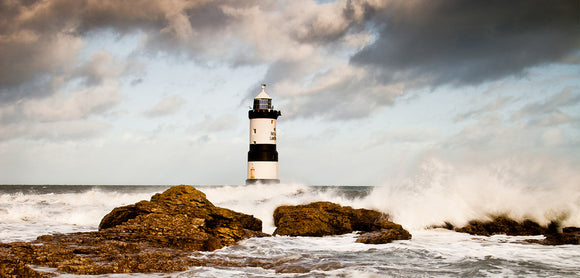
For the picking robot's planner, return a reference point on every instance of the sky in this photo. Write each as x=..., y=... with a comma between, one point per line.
x=157, y=92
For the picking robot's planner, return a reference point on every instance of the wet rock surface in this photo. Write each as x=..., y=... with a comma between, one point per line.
x=150, y=236
x=568, y=235
x=502, y=225
x=11, y=266
x=554, y=234
x=326, y=218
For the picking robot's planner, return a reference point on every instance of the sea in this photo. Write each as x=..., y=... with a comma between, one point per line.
x=28, y=211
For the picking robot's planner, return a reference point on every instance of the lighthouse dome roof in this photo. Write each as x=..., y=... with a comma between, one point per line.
x=263, y=94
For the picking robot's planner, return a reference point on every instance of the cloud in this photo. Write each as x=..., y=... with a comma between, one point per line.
x=167, y=106
x=54, y=131
x=465, y=42
x=337, y=60
x=100, y=67
x=549, y=112
x=211, y=125
x=61, y=115
x=30, y=64
x=570, y=96
x=41, y=39
x=481, y=110
x=405, y=135
x=405, y=45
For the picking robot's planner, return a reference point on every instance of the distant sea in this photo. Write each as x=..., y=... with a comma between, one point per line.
x=28, y=211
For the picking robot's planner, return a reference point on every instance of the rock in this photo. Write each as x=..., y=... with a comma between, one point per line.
x=149, y=236
x=568, y=235
x=11, y=266
x=181, y=218
x=315, y=219
x=504, y=225
x=384, y=236
x=326, y=218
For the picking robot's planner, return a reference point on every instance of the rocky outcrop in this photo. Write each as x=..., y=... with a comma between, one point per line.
x=180, y=218
x=11, y=266
x=384, y=235
x=326, y=218
x=554, y=235
x=502, y=225
x=150, y=236
x=568, y=235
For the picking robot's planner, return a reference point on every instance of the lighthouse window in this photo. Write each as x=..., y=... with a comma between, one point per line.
x=254, y=130
x=264, y=104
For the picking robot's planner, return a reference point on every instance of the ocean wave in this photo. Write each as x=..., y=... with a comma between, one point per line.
x=80, y=208
x=444, y=192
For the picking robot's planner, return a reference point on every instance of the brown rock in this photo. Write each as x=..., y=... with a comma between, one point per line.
x=502, y=225
x=11, y=266
x=315, y=219
x=384, y=236
x=182, y=218
x=325, y=218
x=568, y=235
x=149, y=236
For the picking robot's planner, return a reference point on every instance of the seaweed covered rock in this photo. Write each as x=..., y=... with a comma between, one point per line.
x=326, y=218
x=150, y=236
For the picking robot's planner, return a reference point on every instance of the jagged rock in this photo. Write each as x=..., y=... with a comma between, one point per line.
x=504, y=225
x=568, y=235
x=181, y=218
x=11, y=266
x=384, y=236
x=149, y=236
x=326, y=218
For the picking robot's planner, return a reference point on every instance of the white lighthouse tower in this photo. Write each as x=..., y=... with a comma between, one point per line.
x=263, y=157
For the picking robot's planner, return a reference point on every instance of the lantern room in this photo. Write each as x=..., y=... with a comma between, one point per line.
x=263, y=101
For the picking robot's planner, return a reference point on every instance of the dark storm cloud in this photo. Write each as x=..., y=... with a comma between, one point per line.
x=40, y=40
x=469, y=42
x=392, y=46
x=418, y=44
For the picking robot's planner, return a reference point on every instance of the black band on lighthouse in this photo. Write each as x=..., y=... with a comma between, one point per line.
x=266, y=114
x=262, y=152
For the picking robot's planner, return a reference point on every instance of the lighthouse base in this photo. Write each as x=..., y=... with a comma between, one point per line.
x=262, y=181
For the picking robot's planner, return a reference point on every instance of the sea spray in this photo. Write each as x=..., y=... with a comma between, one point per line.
x=50, y=209
x=432, y=253
x=261, y=200
x=443, y=192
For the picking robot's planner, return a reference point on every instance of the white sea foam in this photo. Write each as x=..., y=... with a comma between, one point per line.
x=441, y=192
x=261, y=200
x=23, y=216
x=431, y=253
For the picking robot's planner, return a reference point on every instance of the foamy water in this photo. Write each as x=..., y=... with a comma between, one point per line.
x=438, y=195
x=440, y=192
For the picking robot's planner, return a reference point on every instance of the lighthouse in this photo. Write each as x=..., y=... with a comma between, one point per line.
x=263, y=157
